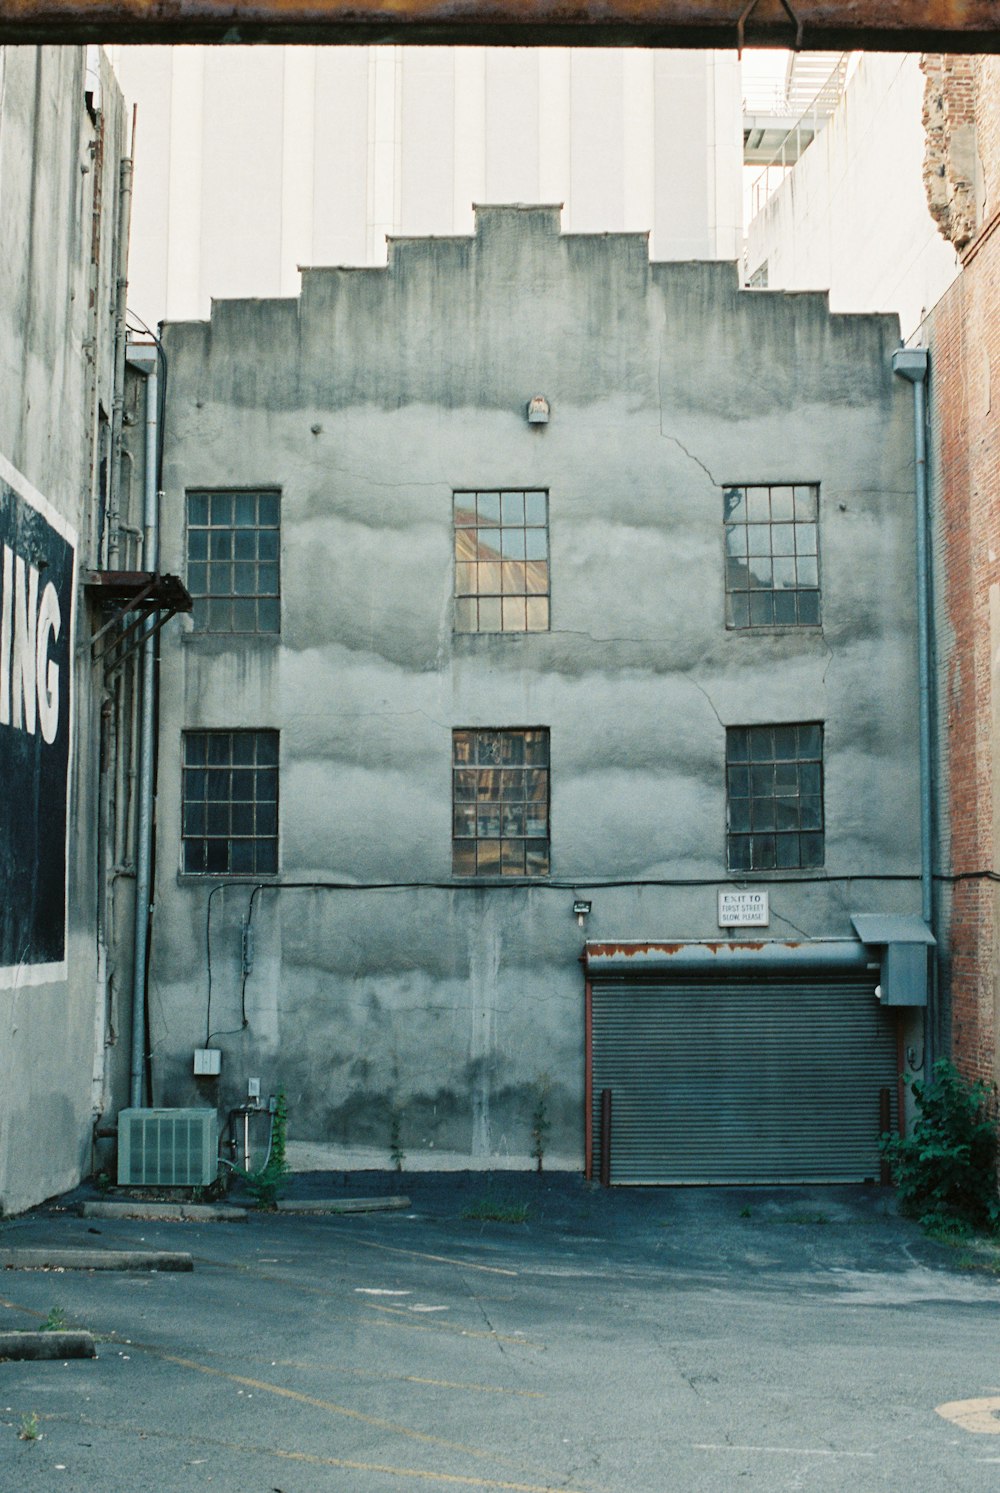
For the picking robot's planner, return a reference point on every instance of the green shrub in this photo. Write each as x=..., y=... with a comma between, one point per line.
x=945, y=1170
x=266, y=1185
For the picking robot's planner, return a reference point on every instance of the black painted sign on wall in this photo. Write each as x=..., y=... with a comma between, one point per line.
x=37, y=559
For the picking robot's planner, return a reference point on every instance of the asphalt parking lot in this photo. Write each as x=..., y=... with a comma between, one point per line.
x=667, y=1339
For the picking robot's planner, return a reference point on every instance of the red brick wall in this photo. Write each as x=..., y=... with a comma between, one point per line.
x=964, y=337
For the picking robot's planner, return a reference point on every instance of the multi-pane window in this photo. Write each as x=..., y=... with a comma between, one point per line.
x=774, y=780
x=500, y=794
x=232, y=561
x=501, y=561
x=772, y=556
x=230, y=802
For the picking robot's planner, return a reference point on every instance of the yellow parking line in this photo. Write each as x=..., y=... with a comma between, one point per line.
x=417, y=1254
x=328, y=1405
x=401, y=1311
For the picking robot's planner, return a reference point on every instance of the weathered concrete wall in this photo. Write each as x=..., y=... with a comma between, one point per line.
x=367, y=401
x=58, y=214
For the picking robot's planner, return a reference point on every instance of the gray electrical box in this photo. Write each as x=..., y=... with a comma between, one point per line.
x=903, y=943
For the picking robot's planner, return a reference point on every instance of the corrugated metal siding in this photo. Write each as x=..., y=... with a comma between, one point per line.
x=756, y=1079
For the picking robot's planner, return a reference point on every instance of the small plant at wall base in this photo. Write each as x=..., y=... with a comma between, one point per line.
x=267, y=1185
x=540, y=1124
x=396, y=1153
x=945, y=1170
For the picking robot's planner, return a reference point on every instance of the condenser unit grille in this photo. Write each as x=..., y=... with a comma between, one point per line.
x=167, y=1147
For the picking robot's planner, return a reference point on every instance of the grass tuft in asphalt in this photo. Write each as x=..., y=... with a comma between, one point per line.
x=489, y=1209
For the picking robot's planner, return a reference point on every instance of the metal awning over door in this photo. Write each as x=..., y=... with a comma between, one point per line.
x=737, y=1077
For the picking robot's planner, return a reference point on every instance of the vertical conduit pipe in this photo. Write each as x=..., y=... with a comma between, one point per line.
x=113, y=533
x=146, y=360
x=911, y=363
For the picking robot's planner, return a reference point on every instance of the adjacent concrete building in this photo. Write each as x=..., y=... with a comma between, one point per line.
x=256, y=161
x=544, y=598
x=62, y=141
x=852, y=217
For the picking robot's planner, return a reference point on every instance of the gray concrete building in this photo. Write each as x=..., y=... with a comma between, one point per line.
x=62, y=143
x=546, y=724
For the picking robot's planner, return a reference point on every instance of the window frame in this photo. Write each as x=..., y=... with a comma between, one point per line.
x=469, y=805
x=466, y=600
x=795, y=596
x=256, y=763
x=209, y=561
x=742, y=760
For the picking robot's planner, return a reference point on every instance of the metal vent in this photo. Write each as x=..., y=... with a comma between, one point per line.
x=167, y=1147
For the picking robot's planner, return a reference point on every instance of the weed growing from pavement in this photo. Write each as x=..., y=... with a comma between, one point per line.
x=540, y=1122
x=489, y=1209
x=396, y=1153
x=29, y=1428
x=55, y=1321
x=266, y=1185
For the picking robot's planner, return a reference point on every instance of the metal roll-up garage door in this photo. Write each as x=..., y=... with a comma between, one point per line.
x=752, y=1078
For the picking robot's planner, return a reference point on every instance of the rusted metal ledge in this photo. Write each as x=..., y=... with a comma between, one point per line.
x=819, y=25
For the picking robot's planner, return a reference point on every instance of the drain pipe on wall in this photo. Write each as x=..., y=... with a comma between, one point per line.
x=911, y=363
x=146, y=360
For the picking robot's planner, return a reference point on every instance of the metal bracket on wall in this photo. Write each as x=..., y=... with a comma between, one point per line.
x=138, y=596
x=748, y=11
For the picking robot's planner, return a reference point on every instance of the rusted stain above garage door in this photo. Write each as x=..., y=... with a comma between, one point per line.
x=883, y=25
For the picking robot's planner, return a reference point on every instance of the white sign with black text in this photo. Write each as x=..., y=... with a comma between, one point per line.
x=744, y=910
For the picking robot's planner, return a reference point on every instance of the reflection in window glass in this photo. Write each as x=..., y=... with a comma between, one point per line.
x=772, y=556
x=500, y=802
x=501, y=561
x=774, y=796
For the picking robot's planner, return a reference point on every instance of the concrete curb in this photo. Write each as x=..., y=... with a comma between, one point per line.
x=186, y=1212
x=40, y=1345
x=236, y=1212
x=93, y=1259
x=342, y=1205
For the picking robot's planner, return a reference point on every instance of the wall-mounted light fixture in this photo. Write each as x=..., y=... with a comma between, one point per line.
x=581, y=910
x=538, y=410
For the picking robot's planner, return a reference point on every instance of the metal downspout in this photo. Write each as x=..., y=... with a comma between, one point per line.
x=912, y=363
x=113, y=537
x=147, y=362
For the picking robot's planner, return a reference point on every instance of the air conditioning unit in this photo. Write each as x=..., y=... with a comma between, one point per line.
x=167, y=1147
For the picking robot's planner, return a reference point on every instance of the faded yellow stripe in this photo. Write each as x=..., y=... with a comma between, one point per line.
x=439, y=1326
x=417, y=1254
x=249, y=1449
x=430, y=1477
x=339, y=1368
x=328, y=1405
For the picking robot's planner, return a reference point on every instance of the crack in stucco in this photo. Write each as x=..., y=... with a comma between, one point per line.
x=703, y=691
x=676, y=441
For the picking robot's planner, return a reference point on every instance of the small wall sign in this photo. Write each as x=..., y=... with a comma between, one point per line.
x=744, y=910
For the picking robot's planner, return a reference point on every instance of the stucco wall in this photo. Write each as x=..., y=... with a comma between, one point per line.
x=56, y=333
x=367, y=401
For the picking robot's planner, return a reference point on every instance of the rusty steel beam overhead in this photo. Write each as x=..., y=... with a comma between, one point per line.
x=818, y=25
